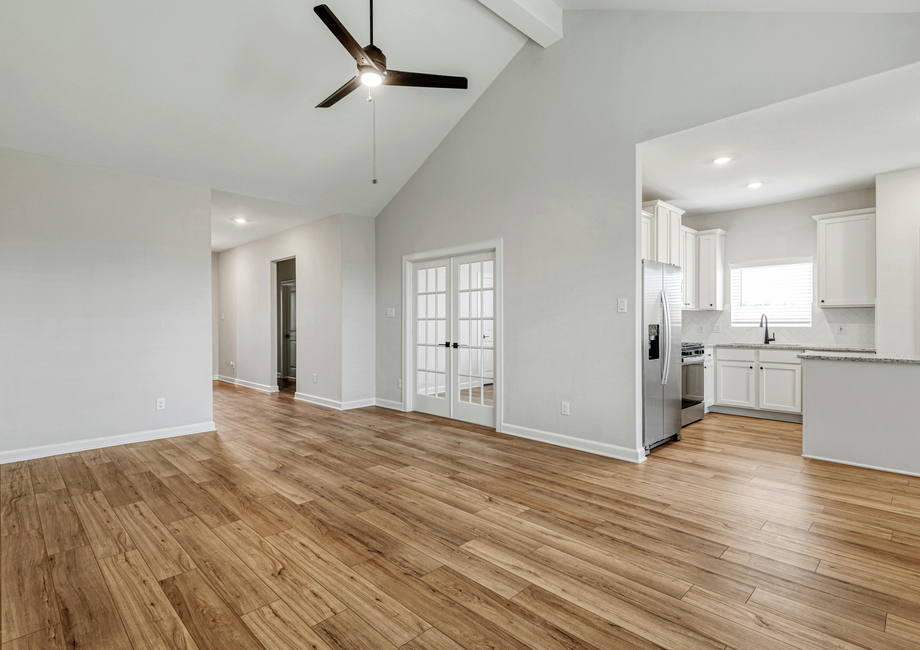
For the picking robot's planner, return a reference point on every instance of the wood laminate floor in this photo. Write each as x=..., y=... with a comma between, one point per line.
x=301, y=527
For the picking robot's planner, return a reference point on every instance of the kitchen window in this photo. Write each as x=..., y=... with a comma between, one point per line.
x=781, y=289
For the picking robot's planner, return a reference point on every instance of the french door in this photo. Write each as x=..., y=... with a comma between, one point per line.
x=455, y=337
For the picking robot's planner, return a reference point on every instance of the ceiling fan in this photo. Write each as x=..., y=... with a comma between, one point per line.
x=372, y=64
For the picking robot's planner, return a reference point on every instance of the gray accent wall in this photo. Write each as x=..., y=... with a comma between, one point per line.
x=547, y=160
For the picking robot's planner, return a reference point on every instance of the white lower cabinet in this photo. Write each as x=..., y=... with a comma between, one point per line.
x=763, y=380
x=780, y=387
x=709, y=380
x=735, y=384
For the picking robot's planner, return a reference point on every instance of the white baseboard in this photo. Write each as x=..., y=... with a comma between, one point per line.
x=358, y=403
x=560, y=440
x=215, y=377
x=389, y=404
x=763, y=415
x=846, y=462
x=74, y=446
x=333, y=404
x=248, y=384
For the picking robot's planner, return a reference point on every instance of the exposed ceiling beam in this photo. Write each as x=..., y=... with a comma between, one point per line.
x=539, y=20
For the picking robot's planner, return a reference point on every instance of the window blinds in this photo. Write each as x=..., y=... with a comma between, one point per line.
x=782, y=290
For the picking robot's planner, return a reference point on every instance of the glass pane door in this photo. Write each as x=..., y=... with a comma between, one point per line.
x=432, y=358
x=473, y=327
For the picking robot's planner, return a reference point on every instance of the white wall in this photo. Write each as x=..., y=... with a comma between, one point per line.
x=897, y=230
x=546, y=160
x=105, y=304
x=215, y=314
x=328, y=271
x=776, y=231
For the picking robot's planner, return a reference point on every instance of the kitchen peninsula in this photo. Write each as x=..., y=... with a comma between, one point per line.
x=862, y=410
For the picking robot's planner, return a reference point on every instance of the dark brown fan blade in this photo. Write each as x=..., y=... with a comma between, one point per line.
x=349, y=87
x=338, y=30
x=423, y=80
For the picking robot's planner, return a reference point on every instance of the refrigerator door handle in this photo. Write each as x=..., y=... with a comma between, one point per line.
x=666, y=366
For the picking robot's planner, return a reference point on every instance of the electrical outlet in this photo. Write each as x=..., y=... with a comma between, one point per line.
x=161, y=403
x=314, y=379
x=621, y=305
x=841, y=329
x=391, y=312
x=701, y=329
x=715, y=329
x=399, y=383
x=565, y=408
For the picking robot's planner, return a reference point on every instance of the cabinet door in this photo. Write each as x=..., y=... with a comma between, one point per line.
x=735, y=384
x=662, y=238
x=709, y=384
x=846, y=262
x=646, y=237
x=690, y=268
x=780, y=387
x=686, y=285
x=707, y=264
x=674, y=252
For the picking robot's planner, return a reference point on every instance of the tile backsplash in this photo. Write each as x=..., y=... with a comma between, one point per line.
x=860, y=328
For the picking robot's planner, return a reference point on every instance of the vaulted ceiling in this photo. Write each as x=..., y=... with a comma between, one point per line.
x=221, y=93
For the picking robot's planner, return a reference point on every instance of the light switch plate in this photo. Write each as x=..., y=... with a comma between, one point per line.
x=621, y=305
x=391, y=312
x=701, y=329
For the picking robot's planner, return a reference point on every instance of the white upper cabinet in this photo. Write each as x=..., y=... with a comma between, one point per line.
x=689, y=256
x=711, y=279
x=846, y=259
x=647, y=250
x=666, y=226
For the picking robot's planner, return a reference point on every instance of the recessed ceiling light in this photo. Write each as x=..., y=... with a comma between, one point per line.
x=240, y=220
x=754, y=185
x=722, y=160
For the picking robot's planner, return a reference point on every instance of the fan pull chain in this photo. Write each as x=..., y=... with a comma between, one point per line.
x=370, y=98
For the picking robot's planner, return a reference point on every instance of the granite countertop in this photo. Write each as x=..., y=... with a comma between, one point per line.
x=866, y=359
x=787, y=346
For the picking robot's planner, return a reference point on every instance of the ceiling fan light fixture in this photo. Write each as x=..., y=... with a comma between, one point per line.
x=370, y=77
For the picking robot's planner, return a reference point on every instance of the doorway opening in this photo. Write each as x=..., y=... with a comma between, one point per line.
x=286, y=293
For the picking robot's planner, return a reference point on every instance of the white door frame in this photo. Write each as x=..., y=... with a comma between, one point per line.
x=408, y=326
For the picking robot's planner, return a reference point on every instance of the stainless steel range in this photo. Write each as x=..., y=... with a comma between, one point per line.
x=693, y=381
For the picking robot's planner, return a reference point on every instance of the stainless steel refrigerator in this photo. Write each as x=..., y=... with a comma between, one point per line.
x=661, y=333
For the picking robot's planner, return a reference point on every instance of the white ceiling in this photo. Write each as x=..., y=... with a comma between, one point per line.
x=830, y=141
x=263, y=218
x=816, y=6
x=221, y=93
